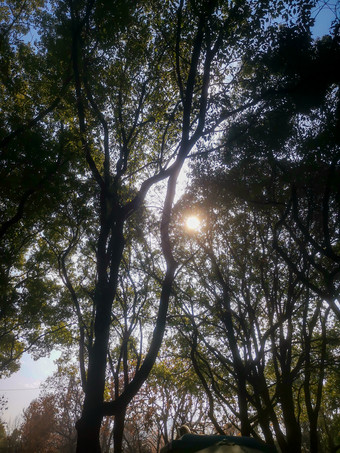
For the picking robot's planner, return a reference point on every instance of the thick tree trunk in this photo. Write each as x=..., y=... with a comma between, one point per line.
x=242, y=403
x=118, y=432
x=313, y=434
x=88, y=435
x=88, y=426
x=293, y=429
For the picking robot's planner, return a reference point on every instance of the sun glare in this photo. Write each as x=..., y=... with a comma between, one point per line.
x=193, y=223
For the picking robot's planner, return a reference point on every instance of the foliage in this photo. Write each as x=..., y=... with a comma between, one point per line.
x=170, y=398
x=257, y=301
x=99, y=115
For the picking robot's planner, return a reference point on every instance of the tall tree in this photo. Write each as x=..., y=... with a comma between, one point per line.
x=257, y=336
x=294, y=139
x=281, y=160
x=125, y=93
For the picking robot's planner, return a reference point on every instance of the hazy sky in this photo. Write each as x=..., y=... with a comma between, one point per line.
x=23, y=386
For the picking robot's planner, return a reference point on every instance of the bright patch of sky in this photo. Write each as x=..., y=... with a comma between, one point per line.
x=24, y=386
x=325, y=13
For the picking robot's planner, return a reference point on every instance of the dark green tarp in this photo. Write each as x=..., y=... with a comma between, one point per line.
x=191, y=443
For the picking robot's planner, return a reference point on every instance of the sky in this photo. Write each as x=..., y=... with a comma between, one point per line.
x=22, y=387
x=324, y=18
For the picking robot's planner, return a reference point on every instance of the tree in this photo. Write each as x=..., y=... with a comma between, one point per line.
x=261, y=344
x=3, y=406
x=37, y=432
x=34, y=170
x=170, y=398
x=169, y=79
x=300, y=158
x=269, y=238
x=65, y=389
x=49, y=421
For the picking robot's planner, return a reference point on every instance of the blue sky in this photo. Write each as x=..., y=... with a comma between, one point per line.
x=324, y=18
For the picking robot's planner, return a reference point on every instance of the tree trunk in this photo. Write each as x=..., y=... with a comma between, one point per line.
x=293, y=430
x=313, y=434
x=242, y=404
x=118, y=432
x=88, y=435
x=264, y=422
x=88, y=426
x=239, y=369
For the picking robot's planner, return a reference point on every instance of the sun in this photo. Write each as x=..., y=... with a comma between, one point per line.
x=193, y=223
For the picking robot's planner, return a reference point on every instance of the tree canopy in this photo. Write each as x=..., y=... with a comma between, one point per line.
x=106, y=107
